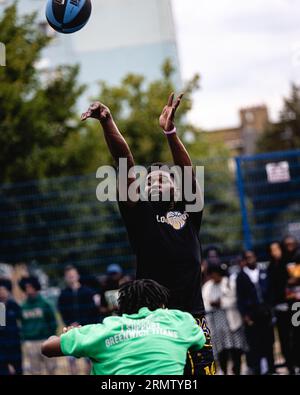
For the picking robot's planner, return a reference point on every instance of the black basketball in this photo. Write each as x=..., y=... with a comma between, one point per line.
x=68, y=16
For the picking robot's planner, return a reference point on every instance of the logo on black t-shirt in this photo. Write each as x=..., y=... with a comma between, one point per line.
x=175, y=219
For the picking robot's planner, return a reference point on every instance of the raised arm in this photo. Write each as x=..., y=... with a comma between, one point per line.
x=179, y=153
x=166, y=121
x=115, y=141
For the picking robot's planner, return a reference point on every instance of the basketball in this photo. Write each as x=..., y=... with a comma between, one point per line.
x=68, y=16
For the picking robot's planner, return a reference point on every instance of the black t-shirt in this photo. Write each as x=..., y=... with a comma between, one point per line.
x=278, y=277
x=167, y=245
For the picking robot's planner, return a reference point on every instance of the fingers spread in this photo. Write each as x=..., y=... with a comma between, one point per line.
x=83, y=116
x=171, y=98
x=94, y=106
x=86, y=115
x=178, y=101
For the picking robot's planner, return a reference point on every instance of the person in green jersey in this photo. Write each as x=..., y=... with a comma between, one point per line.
x=38, y=322
x=146, y=339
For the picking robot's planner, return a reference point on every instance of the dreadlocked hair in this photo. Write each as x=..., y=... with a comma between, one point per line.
x=142, y=293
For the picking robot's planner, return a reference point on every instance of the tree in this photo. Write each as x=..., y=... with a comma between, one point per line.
x=60, y=221
x=136, y=106
x=284, y=135
x=37, y=117
x=40, y=137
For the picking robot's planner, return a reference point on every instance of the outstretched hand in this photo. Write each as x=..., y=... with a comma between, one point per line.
x=98, y=111
x=166, y=120
x=69, y=328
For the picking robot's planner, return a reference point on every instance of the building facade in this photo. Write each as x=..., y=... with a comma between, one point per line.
x=121, y=37
x=242, y=139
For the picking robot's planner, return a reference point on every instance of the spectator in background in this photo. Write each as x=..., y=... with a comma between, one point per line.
x=76, y=302
x=91, y=281
x=252, y=289
x=10, y=340
x=38, y=323
x=224, y=319
x=277, y=284
x=212, y=258
x=109, y=298
x=77, y=305
x=290, y=249
x=293, y=293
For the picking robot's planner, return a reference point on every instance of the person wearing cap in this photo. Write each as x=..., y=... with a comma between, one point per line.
x=10, y=339
x=109, y=297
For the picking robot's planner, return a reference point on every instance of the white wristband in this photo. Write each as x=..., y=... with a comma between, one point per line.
x=173, y=131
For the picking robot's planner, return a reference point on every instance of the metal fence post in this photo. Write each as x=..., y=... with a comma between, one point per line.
x=2, y=314
x=241, y=189
x=2, y=55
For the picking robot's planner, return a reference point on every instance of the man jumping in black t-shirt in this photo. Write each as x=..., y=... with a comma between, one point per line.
x=163, y=235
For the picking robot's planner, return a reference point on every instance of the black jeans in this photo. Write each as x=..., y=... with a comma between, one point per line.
x=285, y=332
x=235, y=355
x=260, y=339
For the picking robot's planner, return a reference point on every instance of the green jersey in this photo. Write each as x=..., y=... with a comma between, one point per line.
x=38, y=319
x=147, y=343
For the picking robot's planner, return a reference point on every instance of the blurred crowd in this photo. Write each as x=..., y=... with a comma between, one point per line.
x=84, y=300
x=248, y=304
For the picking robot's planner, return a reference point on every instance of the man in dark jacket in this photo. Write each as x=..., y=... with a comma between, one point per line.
x=290, y=249
x=10, y=339
x=293, y=296
x=277, y=296
x=251, y=299
x=77, y=305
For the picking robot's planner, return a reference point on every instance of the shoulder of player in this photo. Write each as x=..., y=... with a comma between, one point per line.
x=112, y=320
x=181, y=315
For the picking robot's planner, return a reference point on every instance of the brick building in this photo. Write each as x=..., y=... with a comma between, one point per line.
x=241, y=139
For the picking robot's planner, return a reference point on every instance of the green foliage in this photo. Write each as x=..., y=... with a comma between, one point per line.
x=284, y=135
x=136, y=107
x=37, y=115
x=57, y=221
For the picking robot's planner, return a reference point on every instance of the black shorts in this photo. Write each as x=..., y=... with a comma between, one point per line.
x=201, y=363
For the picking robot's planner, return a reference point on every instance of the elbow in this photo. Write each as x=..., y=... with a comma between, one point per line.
x=51, y=347
x=45, y=349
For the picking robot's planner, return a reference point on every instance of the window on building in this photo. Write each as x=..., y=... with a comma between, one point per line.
x=249, y=116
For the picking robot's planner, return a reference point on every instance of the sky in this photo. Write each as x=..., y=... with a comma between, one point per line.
x=247, y=53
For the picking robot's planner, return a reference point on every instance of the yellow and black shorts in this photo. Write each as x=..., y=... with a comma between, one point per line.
x=201, y=363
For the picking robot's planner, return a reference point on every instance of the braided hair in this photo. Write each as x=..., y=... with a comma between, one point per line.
x=142, y=293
